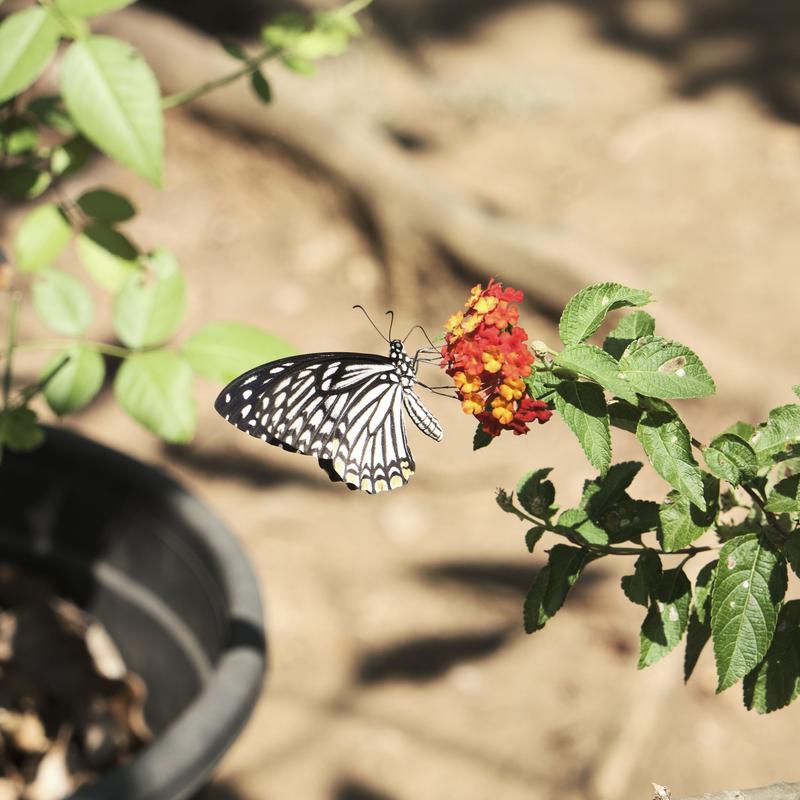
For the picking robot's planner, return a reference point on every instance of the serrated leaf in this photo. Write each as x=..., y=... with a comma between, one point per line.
x=749, y=586
x=699, y=630
x=155, y=388
x=642, y=586
x=105, y=205
x=481, y=438
x=667, y=617
x=655, y=367
x=791, y=550
x=114, y=100
x=631, y=327
x=781, y=429
x=586, y=310
x=91, y=8
x=506, y=503
x=629, y=518
x=603, y=492
x=582, y=406
x=108, y=256
x=533, y=536
x=19, y=430
x=552, y=584
x=785, y=497
x=731, y=458
x=775, y=682
x=575, y=523
x=41, y=238
x=599, y=366
x=28, y=40
x=62, y=302
x=535, y=494
x=682, y=522
x=77, y=382
x=222, y=350
x=668, y=446
x=261, y=86
x=148, y=310
x=624, y=416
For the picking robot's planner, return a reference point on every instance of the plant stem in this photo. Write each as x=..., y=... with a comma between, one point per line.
x=57, y=344
x=12, y=336
x=31, y=391
x=186, y=96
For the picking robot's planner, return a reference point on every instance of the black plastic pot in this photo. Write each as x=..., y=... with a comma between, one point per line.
x=169, y=582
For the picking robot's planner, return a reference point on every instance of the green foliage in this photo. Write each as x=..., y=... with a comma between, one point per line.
x=91, y=8
x=62, y=302
x=28, y=40
x=699, y=630
x=18, y=429
x=261, y=86
x=481, y=438
x=536, y=494
x=731, y=458
x=631, y=327
x=105, y=205
x=667, y=617
x=108, y=256
x=77, y=382
x=780, y=430
x=683, y=522
x=583, y=407
x=597, y=365
x=785, y=497
x=41, y=238
x=642, y=586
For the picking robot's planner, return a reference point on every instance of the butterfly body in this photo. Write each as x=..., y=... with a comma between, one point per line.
x=345, y=409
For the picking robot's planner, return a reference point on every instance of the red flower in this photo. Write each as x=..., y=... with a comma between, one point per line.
x=486, y=355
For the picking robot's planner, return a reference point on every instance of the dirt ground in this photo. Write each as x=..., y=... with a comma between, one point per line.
x=398, y=665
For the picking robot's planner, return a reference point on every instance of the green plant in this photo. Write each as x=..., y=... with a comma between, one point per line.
x=748, y=494
x=109, y=99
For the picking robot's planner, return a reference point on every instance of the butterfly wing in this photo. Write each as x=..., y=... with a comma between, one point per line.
x=342, y=408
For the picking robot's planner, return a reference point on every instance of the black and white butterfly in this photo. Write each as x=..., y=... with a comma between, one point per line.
x=345, y=409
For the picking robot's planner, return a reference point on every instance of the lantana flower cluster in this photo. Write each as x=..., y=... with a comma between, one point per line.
x=486, y=356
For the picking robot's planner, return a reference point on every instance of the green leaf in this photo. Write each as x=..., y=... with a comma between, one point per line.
x=540, y=382
x=302, y=66
x=585, y=312
x=582, y=406
x=750, y=584
x=481, y=438
x=62, y=302
x=49, y=111
x=699, y=630
x=533, y=535
x=624, y=416
x=222, y=350
x=628, y=519
x=506, y=502
x=17, y=136
x=44, y=233
x=656, y=367
x=641, y=587
x=23, y=182
x=775, y=682
x=233, y=49
x=781, y=429
x=599, y=366
x=575, y=523
x=91, y=8
x=602, y=493
x=791, y=550
x=796, y=389
x=261, y=86
x=669, y=448
x=535, y=494
x=18, y=429
x=28, y=40
x=70, y=156
x=105, y=205
x=630, y=328
x=155, y=388
x=682, y=522
x=667, y=617
x=552, y=584
x=731, y=458
x=148, y=308
x=77, y=382
x=108, y=256
x=114, y=99
x=785, y=497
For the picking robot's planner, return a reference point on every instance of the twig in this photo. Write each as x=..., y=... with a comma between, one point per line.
x=12, y=336
x=776, y=791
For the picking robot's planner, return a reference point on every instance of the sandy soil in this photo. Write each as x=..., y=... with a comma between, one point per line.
x=398, y=665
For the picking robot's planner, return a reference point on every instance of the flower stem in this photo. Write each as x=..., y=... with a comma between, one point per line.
x=57, y=344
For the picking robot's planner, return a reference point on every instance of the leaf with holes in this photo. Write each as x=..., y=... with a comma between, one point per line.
x=582, y=406
x=535, y=494
x=781, y=430
x=667, y=617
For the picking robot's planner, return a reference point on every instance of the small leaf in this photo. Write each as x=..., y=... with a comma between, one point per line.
x=108, y=256
x=785, y=497
x=699, y=631
x=155, y=388
x=481, y=438
x=533, y=536
x=610, y=488
x=576, y=524
x=70, y=156
x=91, y=8
x=17, y=136
x=148, y=311
x=222, y=350
x=77, y=382
x=582, y=406
x=585, y=312
x=599, y=366
x=552, y=584
x=631, y=327
x=682, y=522
x=656, y=367
x=233, y=49
x=23, y=182
x=302, y=66
x=624, y=416
x=114, y=99
x=19, y=430
x=731, y=458
x=642, y=586
x=775, y=682
x=41, y=238
x=261, y=86
x=49, y=111
x=62, y=302
x=668, y=446
x=28, y=40
x=667, y=617
x=105, y=205
x=750, y=584
x=535, y=494
x=777, y=433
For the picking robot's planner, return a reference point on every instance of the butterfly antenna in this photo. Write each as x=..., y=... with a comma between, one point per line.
x=358, y=305
x=390, y=314
x=423, y=333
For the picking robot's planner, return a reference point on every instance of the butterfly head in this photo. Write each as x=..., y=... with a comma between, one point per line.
x=396, y=348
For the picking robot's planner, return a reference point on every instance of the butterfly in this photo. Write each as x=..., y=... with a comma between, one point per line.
x=345, y=409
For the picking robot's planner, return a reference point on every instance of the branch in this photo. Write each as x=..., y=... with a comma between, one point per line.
x=777, y=791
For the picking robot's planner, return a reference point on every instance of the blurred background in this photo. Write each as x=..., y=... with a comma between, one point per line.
x=550, y=144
